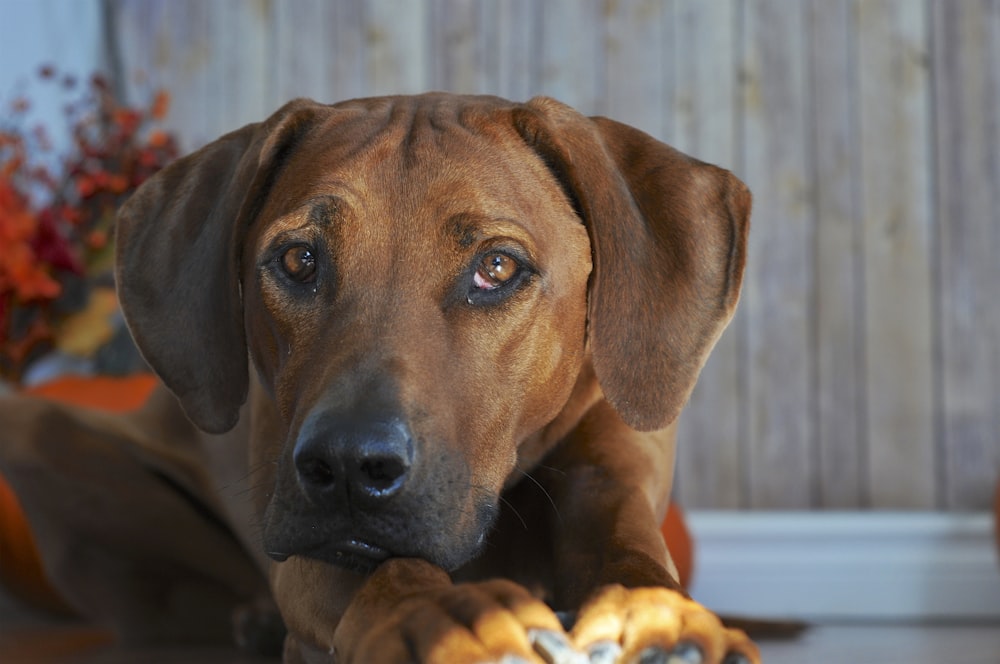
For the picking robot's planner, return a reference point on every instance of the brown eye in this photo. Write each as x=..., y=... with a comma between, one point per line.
x=494, y=271
x=299, y=263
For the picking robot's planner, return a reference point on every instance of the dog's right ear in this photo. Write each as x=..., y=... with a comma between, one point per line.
x=179, y=239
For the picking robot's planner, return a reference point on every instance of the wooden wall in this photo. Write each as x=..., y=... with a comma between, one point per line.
x=863, y=368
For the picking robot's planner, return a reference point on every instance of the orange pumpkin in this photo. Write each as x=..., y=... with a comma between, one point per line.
x=20, y=566
x=21, y=569
x=679, y=543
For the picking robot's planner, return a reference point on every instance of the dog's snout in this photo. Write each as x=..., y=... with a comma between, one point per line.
x=353, y=461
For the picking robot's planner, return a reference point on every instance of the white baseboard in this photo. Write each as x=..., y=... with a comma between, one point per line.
x=846, y=566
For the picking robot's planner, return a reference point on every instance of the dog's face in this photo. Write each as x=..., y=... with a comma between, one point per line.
x=419, y=283
x=416, y=311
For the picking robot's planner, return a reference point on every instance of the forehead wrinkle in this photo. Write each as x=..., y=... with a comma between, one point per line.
x=319, y=212
x=467, y=228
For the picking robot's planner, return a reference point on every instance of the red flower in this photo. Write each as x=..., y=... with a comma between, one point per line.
x=52, y=247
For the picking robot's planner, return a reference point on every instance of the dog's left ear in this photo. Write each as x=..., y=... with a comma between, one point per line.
x=668, y=236
x=179, y=239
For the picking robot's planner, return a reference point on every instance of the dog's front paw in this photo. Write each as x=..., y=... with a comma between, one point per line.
x=492, y=621
x=656, y=626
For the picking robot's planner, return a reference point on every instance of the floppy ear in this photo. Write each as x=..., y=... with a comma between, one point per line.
x=179, y=240
x=668, y=236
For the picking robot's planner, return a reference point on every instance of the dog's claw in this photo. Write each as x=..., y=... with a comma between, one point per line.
x=555, y=648
x=604, y=652
x=683, y=653
x=652, y=655
x=686, y=653
x=513, y=659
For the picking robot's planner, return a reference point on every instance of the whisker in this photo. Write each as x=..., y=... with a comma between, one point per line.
x=513, y=509
x=545, y=492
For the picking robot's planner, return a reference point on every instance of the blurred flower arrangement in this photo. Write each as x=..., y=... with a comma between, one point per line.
x=57, y=218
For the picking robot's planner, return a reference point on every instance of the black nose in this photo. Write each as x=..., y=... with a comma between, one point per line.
x=366, y=462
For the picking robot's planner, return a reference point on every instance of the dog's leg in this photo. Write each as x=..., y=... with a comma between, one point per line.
x=408, y=610
x=123, y=530
x=609, y=556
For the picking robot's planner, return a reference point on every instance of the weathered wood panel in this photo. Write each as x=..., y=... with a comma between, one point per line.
x=571, y=64
x=896, y=206
x=511, y=37
x=302, y=66
x=841, y=434
x=863, y=367
x=635, y=65
x=457, y=56
x=779, y=283
x=966, y=37
x=398, y=61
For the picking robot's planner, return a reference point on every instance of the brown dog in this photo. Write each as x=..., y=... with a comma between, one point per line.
x=439, y=345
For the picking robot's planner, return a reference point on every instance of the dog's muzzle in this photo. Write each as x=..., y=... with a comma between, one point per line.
x=359, y=487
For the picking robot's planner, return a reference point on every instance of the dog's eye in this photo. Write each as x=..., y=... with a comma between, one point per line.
x=299, y=263
x=495, y=270
x=496, y=276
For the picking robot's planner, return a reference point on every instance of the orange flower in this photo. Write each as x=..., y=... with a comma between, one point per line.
x=86, y=186
x=97, y=240
x=118, y=184
x=158, y=138
x=17, y=224
x=20, y=273
x=161, y=105
x=127, y=119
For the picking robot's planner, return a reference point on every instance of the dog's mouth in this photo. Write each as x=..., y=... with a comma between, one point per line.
x=363, y=544
x=353, y=554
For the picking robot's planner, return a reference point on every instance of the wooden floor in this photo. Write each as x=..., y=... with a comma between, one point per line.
x=27, y=638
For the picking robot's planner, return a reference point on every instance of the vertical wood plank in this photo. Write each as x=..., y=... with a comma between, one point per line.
x=636, y=66
x=703, y=60
x=839, y=426
x=509, y=33
x=166, y=45
x=967, y=131
x=136, y=33
x=398, y=46
x=456, y=55
x=239, y=68
x=183, y=53
x=778, y=296
x=347, y=65
x=301, y=38
x=895, y=170
x=572, y=53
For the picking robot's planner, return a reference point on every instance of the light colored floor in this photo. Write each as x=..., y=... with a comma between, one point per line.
x=889, y=644
x=855, y=644
x=26, y=638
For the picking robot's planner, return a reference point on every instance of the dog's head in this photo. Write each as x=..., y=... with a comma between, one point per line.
x=419, y=284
